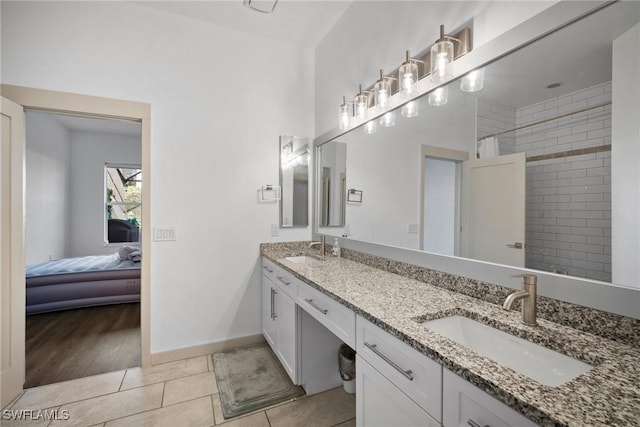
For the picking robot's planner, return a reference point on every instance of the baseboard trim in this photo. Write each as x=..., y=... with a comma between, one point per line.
x=203, y=349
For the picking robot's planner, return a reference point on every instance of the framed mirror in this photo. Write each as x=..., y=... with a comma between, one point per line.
x=332, y=184
x=294, y=181
x=545, y=115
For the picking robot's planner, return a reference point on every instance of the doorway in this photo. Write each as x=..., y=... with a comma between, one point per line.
x=82, y=105
x=83, y=188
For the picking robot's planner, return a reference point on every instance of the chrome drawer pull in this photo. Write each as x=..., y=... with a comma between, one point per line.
x=373, y=347
x=475, y=424
x=283, y=281
x=270, y=270
x=321, y=310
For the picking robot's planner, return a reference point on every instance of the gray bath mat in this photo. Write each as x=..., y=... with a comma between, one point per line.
x=250, y=378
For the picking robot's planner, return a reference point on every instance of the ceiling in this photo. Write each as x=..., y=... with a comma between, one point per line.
x=99, y=125
x=301, y=22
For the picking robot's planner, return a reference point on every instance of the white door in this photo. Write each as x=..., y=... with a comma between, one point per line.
x=493, y=209
x=12, y=279
x=268, y=307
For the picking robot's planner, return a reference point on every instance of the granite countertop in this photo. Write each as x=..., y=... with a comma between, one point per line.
x=608, y=395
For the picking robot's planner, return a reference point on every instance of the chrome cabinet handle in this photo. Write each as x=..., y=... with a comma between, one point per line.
x=516, y=245
x=270, y=270
x=271, y=303
x=281, y=279
x=274, y=303
x=374, y=348
x=312, y=304
x=475, y=424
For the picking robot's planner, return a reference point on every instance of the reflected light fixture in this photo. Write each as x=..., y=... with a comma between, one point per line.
x=382, y=92
x=370, y=127
x=345, y=114
x=361, y=104
x=408, y=77
x=473, y=81
x=410, y=109
x=262, y=6
x=441, y=57
x=388, y=120
x=439, y=97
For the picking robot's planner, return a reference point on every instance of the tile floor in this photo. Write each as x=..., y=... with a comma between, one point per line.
x=182, y=393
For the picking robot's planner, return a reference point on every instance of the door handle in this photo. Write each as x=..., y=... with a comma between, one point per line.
x=516, y=245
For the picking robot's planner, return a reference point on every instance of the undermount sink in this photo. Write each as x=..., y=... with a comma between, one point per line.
x=302, y=259
x=539, y=363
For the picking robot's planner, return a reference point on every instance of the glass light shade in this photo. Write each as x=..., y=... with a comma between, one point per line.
x=361, y=102
x=410, y=109
x=441, y=57
x=382, y=93
x=370, y=127
x=344, y=116
x=388, y=120
x=408, y=78
x=473, y=81
x=439, y=96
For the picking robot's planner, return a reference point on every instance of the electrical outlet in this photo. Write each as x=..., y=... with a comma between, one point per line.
x=412, y=229
x=347, y=229
x=275, y=230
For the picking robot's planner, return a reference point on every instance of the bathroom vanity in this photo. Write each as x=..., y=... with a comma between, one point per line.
x=410, y=375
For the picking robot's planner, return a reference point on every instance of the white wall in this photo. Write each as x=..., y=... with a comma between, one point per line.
x=89, y=153
x=374, y=35
x=625, y=158
x=47, y=196
x=219, y=99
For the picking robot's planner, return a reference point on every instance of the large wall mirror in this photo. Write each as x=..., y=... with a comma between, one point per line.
x=294, y=181
x=516, y=173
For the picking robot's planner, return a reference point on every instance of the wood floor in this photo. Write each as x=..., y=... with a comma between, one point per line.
x=72, y=344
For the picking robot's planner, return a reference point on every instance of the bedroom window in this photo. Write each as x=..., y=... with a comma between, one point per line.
x=123, y=203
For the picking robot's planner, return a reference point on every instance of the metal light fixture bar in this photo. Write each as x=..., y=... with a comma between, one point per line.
x=461, y=46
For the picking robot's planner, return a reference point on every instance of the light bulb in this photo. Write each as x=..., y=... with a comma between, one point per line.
x=344, y=117
x=441, y=56
x=439, y=97
x=370, y=127
x=381, y=93
x=361, y=103
x=410, y=109
x=388, y=120
x=408, y=77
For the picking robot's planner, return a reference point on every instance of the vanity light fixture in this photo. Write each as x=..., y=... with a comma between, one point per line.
x=439, y=97
x=388, y=119
x=361, y=103
x=442, y=54
x=382, y=92
x=262, y=6
x=345, y=114
x=410, y=109
x=408, y=76
x=370, y=127
x=473, y=81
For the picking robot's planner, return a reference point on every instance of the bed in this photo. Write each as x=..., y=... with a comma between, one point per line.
x=82, y=282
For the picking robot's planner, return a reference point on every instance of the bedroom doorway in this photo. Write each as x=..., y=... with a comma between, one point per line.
x=96, y=107
x=83, y=216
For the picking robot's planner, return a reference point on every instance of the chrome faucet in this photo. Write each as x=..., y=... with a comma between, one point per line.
x=321, y=243
x=528, y=297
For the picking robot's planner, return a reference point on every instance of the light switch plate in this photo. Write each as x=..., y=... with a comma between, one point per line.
x=164, y=234
x=412, y=229
x=275, y=230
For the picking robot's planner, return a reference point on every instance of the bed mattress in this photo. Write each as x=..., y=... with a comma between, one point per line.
x=81, y=282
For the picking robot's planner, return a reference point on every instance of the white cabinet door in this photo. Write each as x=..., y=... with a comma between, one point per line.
x=286, y=333
x=268, y=319
x=465, y=405
x=380, y=403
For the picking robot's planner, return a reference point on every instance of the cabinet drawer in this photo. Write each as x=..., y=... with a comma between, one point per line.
x=416, y=375
x=465, y=404
x=283, y=279
x=333, y=315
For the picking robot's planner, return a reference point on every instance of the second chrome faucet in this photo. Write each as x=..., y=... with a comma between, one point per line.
x=321, y=243
x=528, y=295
